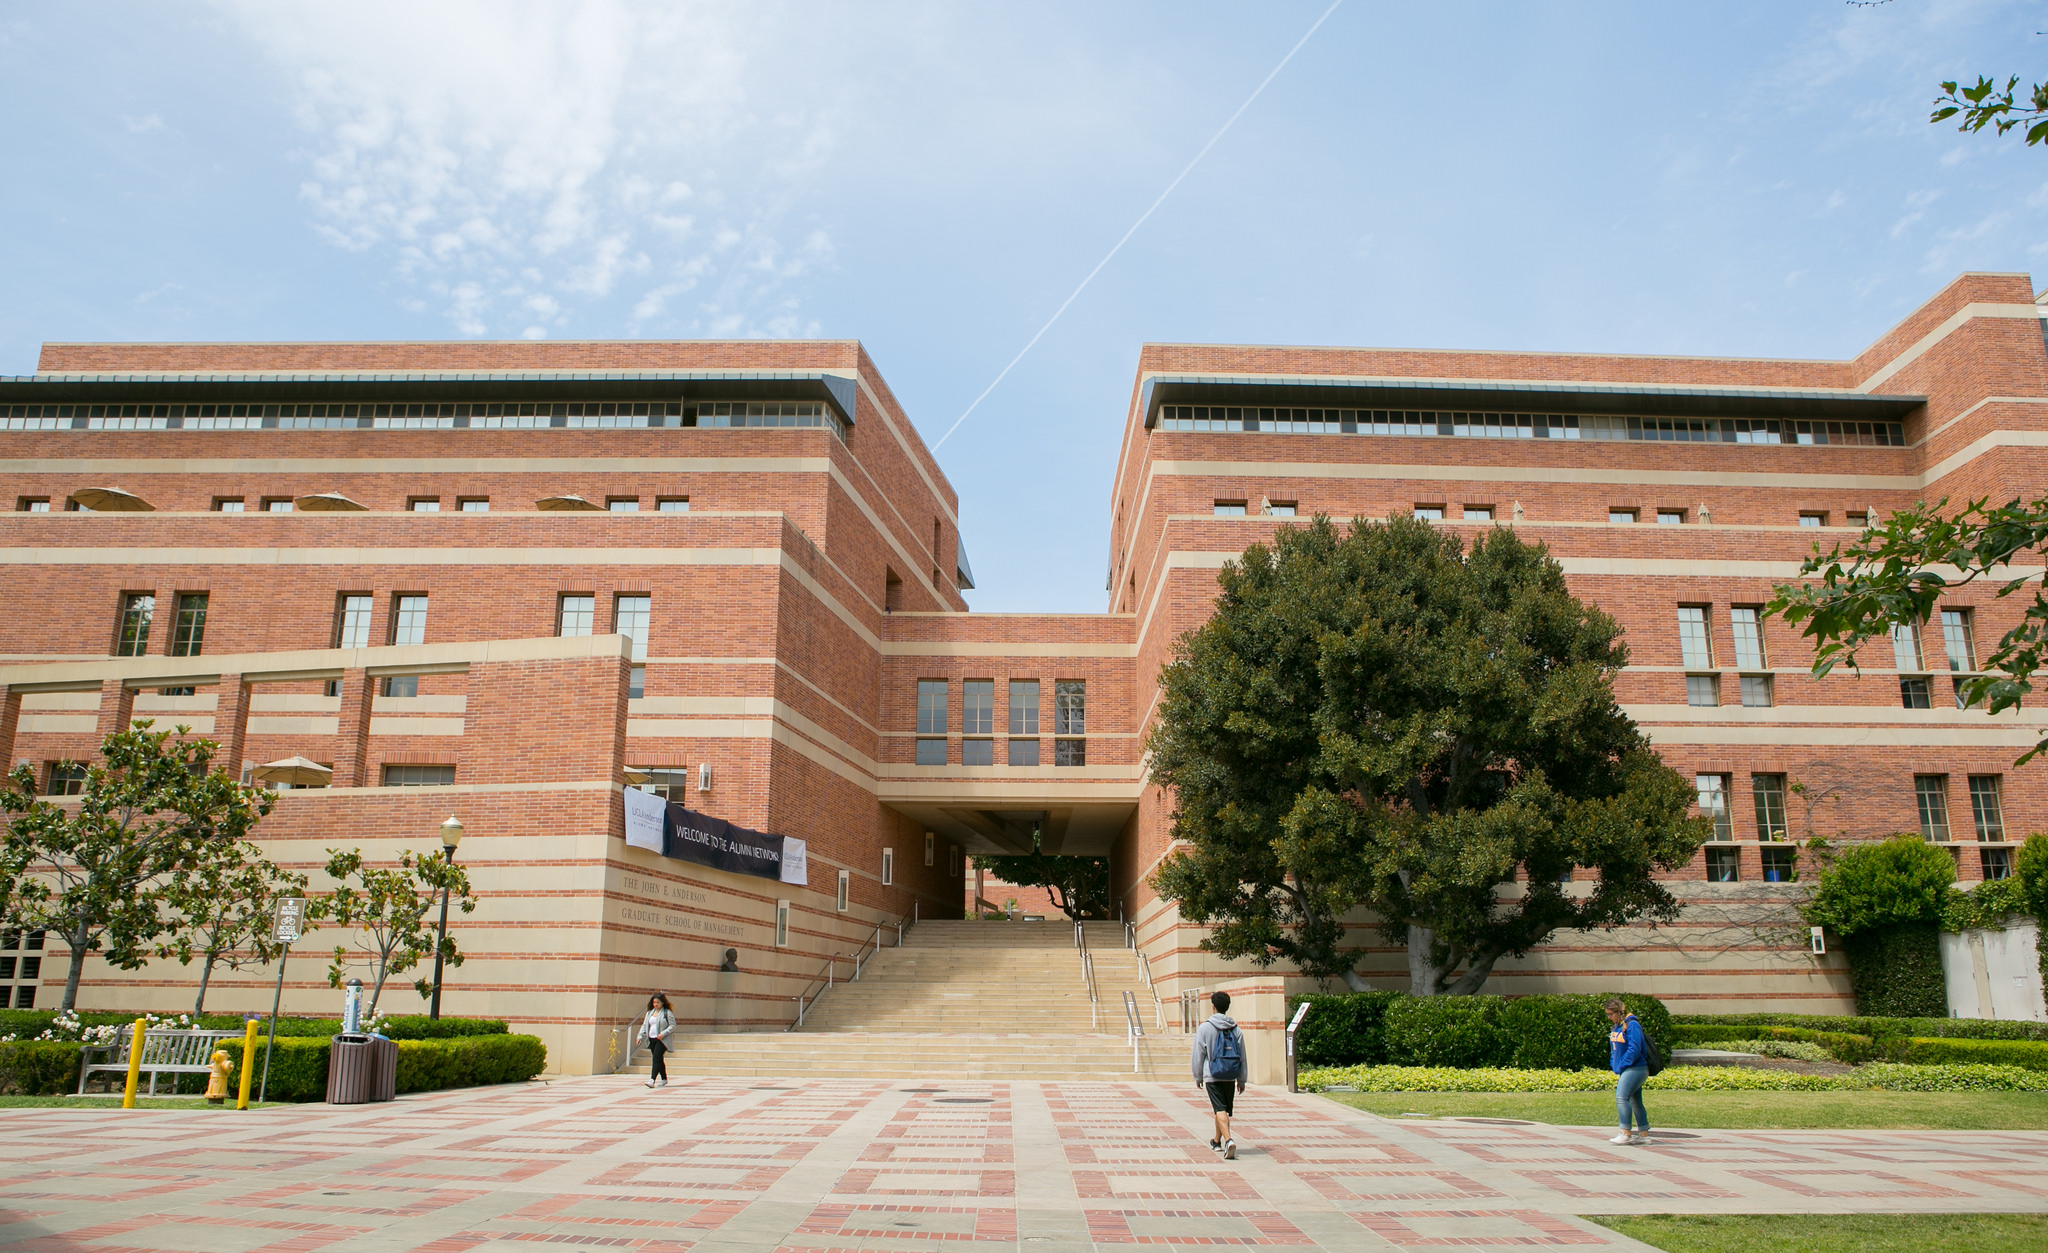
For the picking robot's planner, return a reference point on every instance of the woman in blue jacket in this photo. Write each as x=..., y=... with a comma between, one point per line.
x=1628, y=1056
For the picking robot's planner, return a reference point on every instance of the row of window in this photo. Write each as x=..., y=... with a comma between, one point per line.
x=1437, y=512
x=1697, y=653
x=67, y=778
x=21, y=964
x=1567, y=426
x=507, y=415
x=416, y=504
x=977, y=722
x=1930, y=792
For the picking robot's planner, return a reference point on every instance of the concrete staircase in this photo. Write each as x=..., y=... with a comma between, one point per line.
x=964, y=1000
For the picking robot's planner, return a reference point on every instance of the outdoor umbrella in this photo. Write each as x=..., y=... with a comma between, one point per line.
x=296, y=771
x=329, y=502
x=111, y=500
x=566, y=504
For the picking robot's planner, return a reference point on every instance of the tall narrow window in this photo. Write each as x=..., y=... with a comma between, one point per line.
x=1906, y=647
x=409, y=620
x=137, y=611
x=932, y=716
x=1713, y=797
x=1070, y=719
x=978, y=707
x=631, y=617
x=1931, y=791
x=1023, y=706
x=352, y=621
x=1695, y=648
x=1768, y=791
x=1748, y=636
x=1957, y=639
x=576, y=615
x=1987, y=807
x=188, y=635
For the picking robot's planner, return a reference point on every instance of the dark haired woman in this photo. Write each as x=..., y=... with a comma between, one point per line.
x=655, y=1029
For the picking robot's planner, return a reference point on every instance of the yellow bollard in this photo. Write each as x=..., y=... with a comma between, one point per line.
x=134, y=1063
x=248, y=1064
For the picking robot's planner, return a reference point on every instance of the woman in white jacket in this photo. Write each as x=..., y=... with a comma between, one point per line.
x=655, y=1029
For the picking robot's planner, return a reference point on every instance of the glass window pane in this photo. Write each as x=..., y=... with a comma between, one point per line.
x=1768, y=791
x=1070, y=752
x=931, y=707
x=188, y=635
x=1229, y=508
x=931, y=752
x=409, y=624
x=1023, y=752
x=137, y=611
x=352, y=624
x=1780, y=865
x=1702, y=689
x=1756, y=691
x=1695, y=648
x=977, y=752
x=1931, y=791
x=1070, y=707
x=578, y=616
x=1724, y=865
x=1906, y=646
x=1957, y=640
x=1621, y=515
x=630, y=616
x=1915, y=694
x=1987, y=808
x=1749, y=639
x=1713, y=797
x=1429, y=513
x=1024, y=709
x=978, y=707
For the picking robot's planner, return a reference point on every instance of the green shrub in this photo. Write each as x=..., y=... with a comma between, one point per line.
x=1902, y=881
x=1569, y=1032
x=38, y=1068
x=1445, y=1031
x=1878, y=1028
x=298, y=1067
x=1841, y=1046
x=28, y=1023
x=1343, y=1030
x=1883, y=1076
x=1895, y=971
x=1922, y=1051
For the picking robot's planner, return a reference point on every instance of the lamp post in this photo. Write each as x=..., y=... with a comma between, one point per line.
x=451, y=835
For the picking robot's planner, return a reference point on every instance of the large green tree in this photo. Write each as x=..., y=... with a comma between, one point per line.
x=1378, y=718
x=100, y=867
x=1077, y=885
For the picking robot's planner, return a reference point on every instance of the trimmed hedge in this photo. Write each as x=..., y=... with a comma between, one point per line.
x=298, y=1067
x=1881, y=1076
x=38, y=1068
x=1895, y=971
x=1842, y=1046
x=29, y=1023
x=2031, y=1054
x=1879, y=1029
x=1382, y=1028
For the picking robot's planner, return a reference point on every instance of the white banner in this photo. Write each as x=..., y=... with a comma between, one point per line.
x=795, y=862
x=646, y=814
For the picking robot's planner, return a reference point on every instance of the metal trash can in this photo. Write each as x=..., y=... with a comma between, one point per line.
x=361, y=1069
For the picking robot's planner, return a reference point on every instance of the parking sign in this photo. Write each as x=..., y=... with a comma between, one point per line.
x=290, y=921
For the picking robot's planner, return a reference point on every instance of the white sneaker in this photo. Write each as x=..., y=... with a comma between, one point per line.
x=1230, y=1150
x=664, y=1083
x=1623, y=1138
x=650, y=1083
x=1641, y=1139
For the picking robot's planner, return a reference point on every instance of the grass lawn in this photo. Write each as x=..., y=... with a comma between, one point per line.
x=1905, y=1111
x=1834, y=1233
x=114, y=1102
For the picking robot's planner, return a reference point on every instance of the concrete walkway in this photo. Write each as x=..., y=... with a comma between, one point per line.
x=718, y=1165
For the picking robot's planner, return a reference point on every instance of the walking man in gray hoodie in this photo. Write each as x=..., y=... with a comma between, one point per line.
x=1218, y=1063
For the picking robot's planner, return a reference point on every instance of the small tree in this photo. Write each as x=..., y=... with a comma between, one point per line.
x=1381, y=719
x=224, y=898
x=1886, y=901
x=100, y=871
x=1077, y=885
x=389, y=908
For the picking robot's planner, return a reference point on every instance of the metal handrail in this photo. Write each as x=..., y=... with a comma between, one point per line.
x=861, y=956
x=1134, y=1028
x=1158, y=1004
x=831, y=970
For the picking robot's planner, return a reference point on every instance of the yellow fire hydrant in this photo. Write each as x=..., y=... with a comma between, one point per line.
x=217, y=1083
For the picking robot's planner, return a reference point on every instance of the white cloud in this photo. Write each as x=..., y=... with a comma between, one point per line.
x=492, y=151
x=148, y=124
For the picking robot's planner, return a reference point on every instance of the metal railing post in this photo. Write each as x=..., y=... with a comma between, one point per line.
x=1292, y=1027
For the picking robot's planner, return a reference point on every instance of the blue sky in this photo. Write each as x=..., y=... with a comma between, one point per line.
x=935, y=179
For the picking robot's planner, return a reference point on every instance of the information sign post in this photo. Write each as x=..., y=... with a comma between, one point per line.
x=287, y=925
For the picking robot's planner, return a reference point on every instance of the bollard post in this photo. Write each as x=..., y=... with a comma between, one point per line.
x=134, y=1063
x=248, y=1064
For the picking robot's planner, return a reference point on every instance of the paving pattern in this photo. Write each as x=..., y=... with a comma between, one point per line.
x=832, y=1166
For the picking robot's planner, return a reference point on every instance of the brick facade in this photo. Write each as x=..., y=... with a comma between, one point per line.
x=810, y=586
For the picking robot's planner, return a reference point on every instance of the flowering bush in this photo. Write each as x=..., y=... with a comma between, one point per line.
x=66, y=1028
x=1883, y=1076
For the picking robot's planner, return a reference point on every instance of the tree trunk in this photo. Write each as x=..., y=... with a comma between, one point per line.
x=76, y=942
x=1356, y=982
x=1474, y=978
x=205, y=977
x=1425, y=977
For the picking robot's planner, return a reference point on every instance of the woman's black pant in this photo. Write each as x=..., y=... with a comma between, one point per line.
x=656, y=1049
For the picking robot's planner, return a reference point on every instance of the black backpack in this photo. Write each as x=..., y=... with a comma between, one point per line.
x=1654, y=1061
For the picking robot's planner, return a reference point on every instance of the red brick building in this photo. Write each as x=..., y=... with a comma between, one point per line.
x=509, y=580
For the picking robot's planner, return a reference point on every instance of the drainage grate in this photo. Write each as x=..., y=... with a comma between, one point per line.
x=965, y=1100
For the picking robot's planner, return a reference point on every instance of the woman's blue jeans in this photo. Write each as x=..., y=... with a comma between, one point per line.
x=1628, y=1098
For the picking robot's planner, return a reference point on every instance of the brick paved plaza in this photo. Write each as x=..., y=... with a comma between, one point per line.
x=729, y=1164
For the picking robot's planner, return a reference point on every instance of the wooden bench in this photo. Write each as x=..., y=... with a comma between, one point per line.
x=164, y=1052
